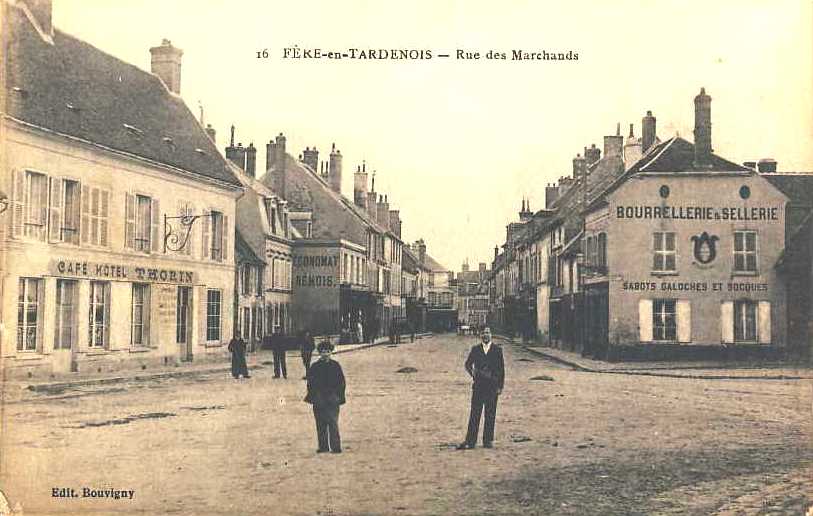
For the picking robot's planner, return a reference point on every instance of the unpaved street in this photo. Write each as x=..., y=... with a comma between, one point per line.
x=567, y=443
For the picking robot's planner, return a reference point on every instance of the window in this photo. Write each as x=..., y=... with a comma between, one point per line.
x=95, y=204
x=65, y=329
x=259, y=281
x=745, y=321
x=36, y=202
x=99, y=314
x=602, y=250
x=140, y=331
x=246, y=323
x=143, y=223
x=745, y=251
x=217, y=236
x=213, y=315
x=664, y=257
x=69, y=230
x=664, y=320
x=28, y=316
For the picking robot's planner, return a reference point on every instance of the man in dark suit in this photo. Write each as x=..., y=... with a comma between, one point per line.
x=487, y=369
x=278, y=349
x=326, y=394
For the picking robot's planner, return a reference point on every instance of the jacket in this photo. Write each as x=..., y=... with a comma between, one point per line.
x=325, y=383
x=488, y=371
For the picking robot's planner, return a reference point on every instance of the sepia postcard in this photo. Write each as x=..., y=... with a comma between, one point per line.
x=406, y=258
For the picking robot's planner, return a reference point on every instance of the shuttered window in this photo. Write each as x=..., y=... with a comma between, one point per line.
x=664, y=320
x=213, y=311
x=745, y=321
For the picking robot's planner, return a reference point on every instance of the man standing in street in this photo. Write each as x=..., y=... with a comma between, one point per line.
x=487, y=369
x=326, y=394
x=278, y=349
x=307, y=352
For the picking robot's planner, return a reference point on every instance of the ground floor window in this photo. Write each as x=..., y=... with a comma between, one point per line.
x=745, y=321
x=213, y=299
x=246, y=323
x=99, y=314
x=65, y=329
x=140, y=330
x=28, y=316
x=664, y=320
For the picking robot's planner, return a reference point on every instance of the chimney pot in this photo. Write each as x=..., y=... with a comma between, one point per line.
x=702, y=130
x=165, y=62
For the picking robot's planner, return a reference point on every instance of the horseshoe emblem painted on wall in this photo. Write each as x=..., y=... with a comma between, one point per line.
x=705, y=248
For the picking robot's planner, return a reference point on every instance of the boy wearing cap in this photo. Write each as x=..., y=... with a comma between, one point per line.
x=326, y=394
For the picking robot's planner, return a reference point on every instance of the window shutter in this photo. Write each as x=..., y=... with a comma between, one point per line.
x=684, y=320
x=207, y=221
x=55, y=212
x=157, y=242
x=85, y=224
x=764, y=322
x=129, y=221
x=645, y=320
x=224, y=252
x=18, y=203
x=727, y=321
x=103, y=215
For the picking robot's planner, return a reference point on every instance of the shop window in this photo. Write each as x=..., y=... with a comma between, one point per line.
x=28, y=314
x=745, y=251
x=65, y=329
x=664, y=258
x=745, y=321
x=99, y=314
x=213, y=311
x=664, y=320
x=140, y=330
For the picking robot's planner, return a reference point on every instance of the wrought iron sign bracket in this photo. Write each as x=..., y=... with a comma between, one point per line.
x=175, y=238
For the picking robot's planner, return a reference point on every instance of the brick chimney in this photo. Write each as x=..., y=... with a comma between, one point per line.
x=395, y=222
x=236, y=155
x=311, y=158
x=383, y=215
x=551, y=194
x=166, y=64
x=360, y=187
x=702, y=130
x=335, y=170
x=766, y=166
x=275, y=160
x=613, y=145
x=648, y=133
x=251, y=160
x=525, y=213
x=592, y=154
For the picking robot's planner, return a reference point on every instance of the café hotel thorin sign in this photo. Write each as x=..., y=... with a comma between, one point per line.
x=120, y=272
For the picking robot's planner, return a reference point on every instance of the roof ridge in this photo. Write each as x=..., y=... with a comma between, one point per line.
x=666, y=145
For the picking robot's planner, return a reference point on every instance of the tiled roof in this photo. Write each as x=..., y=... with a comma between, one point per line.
x=75, y=89
x=334, y=216
x=433, y=265
x=244, y=252
x=798, y=187
x=409, y=262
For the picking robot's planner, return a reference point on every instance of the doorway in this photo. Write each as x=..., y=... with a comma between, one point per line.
x=183, y=323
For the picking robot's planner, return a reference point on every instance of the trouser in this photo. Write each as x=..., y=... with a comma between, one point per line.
x=306, y=360
x=327, y=427
x=279, y=363
x=482, y=399
x=238, y=365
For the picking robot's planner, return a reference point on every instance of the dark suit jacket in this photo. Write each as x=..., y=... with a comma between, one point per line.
x=488, y=371
x=325, y=383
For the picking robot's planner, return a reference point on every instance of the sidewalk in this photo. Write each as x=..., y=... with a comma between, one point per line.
x=256, y=360
x=696, y=370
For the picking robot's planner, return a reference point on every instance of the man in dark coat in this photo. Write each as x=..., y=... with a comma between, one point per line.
x=306, y=350
x=237, y=347
x=326, y=394
x=487, y=369
x=278, y=349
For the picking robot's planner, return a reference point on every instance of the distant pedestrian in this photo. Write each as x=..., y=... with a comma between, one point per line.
x=486, y=366
x=326, y=393
x=278, y=349
x=237, y=348
x=359, y=332
x=306, y=349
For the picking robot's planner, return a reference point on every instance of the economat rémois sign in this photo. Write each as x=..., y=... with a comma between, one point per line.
x=317, y=271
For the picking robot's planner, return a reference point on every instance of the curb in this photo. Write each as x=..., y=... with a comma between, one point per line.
x=45, y=387
x=581, y=368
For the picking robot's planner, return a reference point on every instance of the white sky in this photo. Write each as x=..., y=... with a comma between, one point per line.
x=457, y=144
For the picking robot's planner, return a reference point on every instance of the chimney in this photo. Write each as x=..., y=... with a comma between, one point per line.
x=592, y=154
x=648, y=134
x=614, y=144
x=311, y=158
x=496, y=252
x=395, y=222
x=632, y=149
x=465, y=267
x=702, y=130
x=166, y=64
x=766, y=166
x=551, y=194
x=579, y=167
x=236, y=155
x=335, y=170
x=360, y=187
x=525, y=213
x=41, y=11
x=275, y=160
x=211, y=132
x=750, y=164
x=251, y=160
x=421, y=245
x=383, y=215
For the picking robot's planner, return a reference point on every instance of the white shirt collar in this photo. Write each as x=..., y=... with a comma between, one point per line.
x=486, y=347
